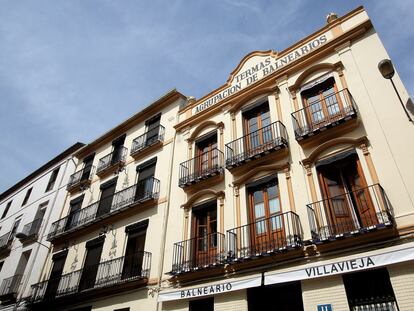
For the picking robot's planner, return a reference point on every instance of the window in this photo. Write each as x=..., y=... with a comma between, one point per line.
x=257, y=127
x=27, y=196
x=266, y=214
x=14, y=230
x=145, y=182
x=87, y=167
x=205, y=233
x=6, y=210
x=287, y=297
x=207, y=155
x=134, y=254
x=370, y=290
x=56, y=273
x=343, y=185
x=91, y=264
x=206, y=304
x=52, y=179
x=107, y=195
x=117, y=152
x=74, y=212
x=322, y=102
x=153, y=129
x=1, y=265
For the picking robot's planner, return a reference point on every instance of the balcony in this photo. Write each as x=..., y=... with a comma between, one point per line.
x=140, y=193
x=320, y=115
x=9, y=288
x=353, y=213
x=204, y=166
x=112, y=162
x=30, y=231
x=198, y=253
x=107, y=277
x=256, y=144
x=273, y=235
x=80, y=179
x=5, y=244
x=154, y=137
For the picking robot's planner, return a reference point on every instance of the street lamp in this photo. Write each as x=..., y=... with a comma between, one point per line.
x=23, y=236
x=387, y=70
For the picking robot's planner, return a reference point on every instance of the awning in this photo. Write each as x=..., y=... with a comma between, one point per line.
x=211, y=289
x=350, y=265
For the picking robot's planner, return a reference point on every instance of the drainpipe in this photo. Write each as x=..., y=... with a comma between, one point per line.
x=165, y=221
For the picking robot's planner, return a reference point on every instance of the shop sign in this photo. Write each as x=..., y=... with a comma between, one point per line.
x=259, y=66
x=340, y=267
x=211, y=289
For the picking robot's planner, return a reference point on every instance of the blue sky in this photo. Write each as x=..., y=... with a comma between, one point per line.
x=71, y=70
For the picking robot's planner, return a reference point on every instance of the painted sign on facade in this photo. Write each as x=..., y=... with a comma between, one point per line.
x=259, y=66
x=345, y=266
x=212, y=289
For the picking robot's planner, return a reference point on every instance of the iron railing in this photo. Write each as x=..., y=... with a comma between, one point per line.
x=205, y=165
x=31, y=229
x=115, y=157
x=82, y=176
x=10, y=286
x=198, y=253
x=4, y=240
x=274, y=234
x=105, y=274
x=354, y=212
x=318, y=115
x=144, y=190
x=147, y=139
x=269, y=138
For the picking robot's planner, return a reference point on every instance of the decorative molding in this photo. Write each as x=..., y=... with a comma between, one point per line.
x=357, y=142
x=201, y=193
x=201, y=127
x=263, y=168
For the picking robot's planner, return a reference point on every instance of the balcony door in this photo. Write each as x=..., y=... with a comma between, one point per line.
x=267, y=229
x=153, y=129
x=73, y=217
x=118, y=145
x=207, y=156
x=145, y=182
x=55, y=275
x=205, y=233
x=322, y=103
x=257, y=128
x=348, y=202
x=107, y=196
x=87, y=167
x=91, y=265
x=134, y=253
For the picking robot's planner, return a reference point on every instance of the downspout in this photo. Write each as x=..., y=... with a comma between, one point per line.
x=165, y=221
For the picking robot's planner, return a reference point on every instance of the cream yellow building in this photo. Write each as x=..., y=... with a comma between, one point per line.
x=297, y=183
x=289, y=187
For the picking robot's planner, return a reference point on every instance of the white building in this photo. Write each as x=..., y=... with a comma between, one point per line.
x=27, y=210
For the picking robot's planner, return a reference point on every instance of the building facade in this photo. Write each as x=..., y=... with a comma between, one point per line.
x=296, y=182
x=107, y=241
x=27, y=210
x=289, y=186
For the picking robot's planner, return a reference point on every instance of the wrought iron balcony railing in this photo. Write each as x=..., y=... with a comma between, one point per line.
x=114, y=158
x=147, y=139
x=330, y=111
x=205, y=165
x=266, y=236
x=81, y=177
x=198, y=253
x=351, y=213
x=145, y=190
x=256, y=144
x=10, y=286
x=105, y=274
x=31, y=230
